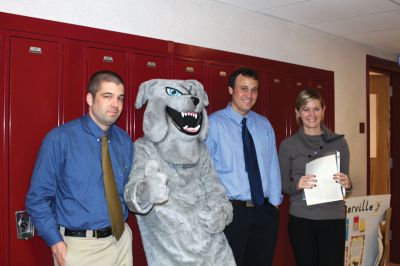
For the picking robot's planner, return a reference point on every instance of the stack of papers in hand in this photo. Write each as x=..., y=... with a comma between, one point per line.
x=327, y=189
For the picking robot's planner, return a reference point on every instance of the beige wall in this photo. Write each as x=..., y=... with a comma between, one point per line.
x=209, y=24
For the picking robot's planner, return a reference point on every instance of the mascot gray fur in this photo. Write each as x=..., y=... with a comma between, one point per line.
x=182, y=207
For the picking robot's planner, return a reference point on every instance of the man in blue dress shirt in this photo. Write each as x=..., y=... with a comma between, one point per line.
x=253, y=232
x=66, y=199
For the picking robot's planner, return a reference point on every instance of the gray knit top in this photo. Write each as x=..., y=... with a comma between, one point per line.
x=294, y=153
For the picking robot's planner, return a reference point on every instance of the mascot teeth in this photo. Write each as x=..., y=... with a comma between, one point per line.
x=187, y=122
x=189, y=114
x=191, y=129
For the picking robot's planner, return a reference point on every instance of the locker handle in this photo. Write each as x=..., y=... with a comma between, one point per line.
x=189, y=69
x=299, y=83
x=319, y=86
x=108, y=59
x=222, y=74
x=277, y=81
x=151, y=64
x=35, y=50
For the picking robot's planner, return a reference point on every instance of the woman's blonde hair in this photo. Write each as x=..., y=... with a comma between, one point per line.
x=304, y=97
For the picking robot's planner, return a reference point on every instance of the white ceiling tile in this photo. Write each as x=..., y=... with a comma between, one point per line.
x=326, y=10
x=362, y=24
x=256, y=5
x=373, y=22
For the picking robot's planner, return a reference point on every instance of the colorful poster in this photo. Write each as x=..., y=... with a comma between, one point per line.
x=363, y=215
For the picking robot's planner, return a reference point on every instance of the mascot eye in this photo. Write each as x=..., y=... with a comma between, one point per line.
x=173, y=92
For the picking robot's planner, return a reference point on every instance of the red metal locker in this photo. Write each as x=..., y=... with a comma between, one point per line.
x=295, y=85
x=74, y=80
x=34, y=88
x=144, y=67
x=218, y=92
x=3, y=155
x=275, y=91
x=259, y=107
x=99, y=59
x=275, y=104
x=190, y=69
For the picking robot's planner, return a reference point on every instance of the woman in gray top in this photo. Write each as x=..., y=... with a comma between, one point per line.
x=316, y=232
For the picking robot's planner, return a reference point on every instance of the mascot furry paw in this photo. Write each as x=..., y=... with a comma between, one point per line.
x=183, y=208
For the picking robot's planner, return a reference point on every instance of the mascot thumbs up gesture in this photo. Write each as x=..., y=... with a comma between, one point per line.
x=156, y=182
x=173, y=186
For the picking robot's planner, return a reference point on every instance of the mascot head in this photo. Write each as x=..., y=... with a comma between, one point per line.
x=175, y=109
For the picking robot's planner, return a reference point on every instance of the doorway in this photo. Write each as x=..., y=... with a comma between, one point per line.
x=386, y=69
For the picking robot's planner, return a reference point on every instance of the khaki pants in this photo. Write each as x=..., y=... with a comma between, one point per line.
x=106, y=251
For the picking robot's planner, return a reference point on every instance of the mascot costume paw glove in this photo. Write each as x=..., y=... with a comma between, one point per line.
x=182, y=208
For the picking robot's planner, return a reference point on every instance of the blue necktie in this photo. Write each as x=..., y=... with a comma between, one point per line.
x=253, y=172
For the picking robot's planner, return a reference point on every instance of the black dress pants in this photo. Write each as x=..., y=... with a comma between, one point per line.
x=252, y=234
x=317, y=242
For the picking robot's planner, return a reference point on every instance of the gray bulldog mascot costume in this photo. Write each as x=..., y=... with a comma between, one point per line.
x=182, y=208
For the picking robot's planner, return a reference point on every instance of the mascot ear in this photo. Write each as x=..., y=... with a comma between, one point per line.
x=144, y=92
x=199, y=90
x=155, y=126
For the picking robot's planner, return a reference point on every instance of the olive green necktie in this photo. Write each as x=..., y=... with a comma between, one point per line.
x=113, y=202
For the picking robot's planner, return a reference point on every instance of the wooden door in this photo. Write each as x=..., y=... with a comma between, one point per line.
x=379, y=162
x=100, y=59
x=34, y=73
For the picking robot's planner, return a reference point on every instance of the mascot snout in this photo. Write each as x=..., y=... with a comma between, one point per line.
x=183, y=101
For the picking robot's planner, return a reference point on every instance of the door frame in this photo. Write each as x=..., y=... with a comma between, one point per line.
x=391, y=68
x=387, y=67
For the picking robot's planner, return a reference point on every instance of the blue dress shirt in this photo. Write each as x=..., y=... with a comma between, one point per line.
x=67, y=186
x=225, y=145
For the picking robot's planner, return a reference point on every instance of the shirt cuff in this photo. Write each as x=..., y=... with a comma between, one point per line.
x=277, y=200
x=52, y=236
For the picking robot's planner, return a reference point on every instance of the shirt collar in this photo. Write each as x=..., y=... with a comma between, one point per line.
x=94, y=129
x=235, y=116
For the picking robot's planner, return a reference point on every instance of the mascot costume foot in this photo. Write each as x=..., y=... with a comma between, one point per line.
x=182, y=208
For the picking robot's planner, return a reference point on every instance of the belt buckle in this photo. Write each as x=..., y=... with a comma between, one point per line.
x=249, y=203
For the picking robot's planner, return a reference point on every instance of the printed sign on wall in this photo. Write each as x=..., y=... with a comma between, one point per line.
x=363, y=215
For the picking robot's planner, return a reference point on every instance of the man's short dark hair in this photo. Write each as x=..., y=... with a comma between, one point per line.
x=244, y=71
x=101, y=76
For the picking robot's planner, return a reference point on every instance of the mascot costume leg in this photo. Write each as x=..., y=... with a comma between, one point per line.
x=182, y=208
